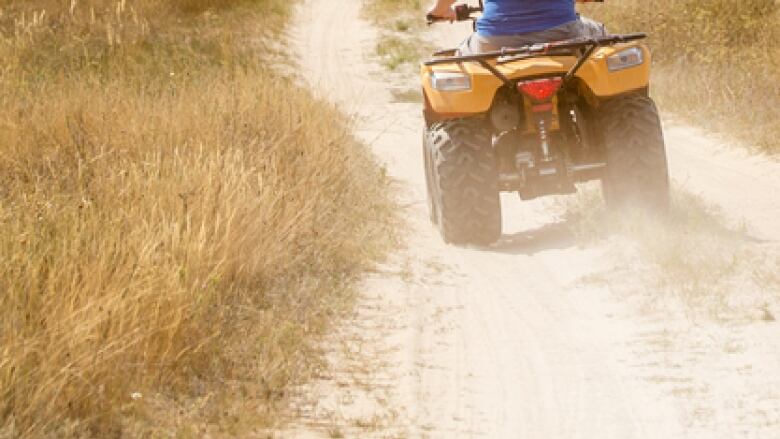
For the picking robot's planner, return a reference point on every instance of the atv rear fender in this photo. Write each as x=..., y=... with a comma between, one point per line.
x=595, y=80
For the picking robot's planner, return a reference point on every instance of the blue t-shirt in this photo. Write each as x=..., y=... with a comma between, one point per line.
x=513, y=17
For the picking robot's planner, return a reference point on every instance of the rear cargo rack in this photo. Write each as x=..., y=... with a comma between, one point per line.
x=586, y=48
x=535, y=49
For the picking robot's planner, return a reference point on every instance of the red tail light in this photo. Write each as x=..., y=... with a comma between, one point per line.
x=540, y=90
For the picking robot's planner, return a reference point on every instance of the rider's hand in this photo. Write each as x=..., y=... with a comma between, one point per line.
x=441, y=10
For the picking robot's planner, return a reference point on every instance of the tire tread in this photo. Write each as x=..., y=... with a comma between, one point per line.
x=465, y=182
x=637, y=168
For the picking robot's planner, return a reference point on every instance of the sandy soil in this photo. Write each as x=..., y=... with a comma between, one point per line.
x=514, y=341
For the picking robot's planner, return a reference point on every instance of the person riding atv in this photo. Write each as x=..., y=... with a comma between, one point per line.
x=536, y=101
x=517, y=23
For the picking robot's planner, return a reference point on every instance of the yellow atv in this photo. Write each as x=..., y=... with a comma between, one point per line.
x=536, y=120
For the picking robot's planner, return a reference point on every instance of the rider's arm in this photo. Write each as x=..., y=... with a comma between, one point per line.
x=443, y=9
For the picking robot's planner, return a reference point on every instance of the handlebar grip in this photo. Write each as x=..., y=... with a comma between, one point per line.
x=430, y=18
x=462, y=13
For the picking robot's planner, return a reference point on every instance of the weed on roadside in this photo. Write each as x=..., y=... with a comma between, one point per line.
x=400, y=45
x=396, y=51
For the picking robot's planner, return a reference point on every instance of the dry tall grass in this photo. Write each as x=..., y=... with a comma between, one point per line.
x=169, y=208
x=717, y=61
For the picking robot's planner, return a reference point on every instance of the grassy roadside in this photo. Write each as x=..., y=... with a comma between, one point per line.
x=178, y=223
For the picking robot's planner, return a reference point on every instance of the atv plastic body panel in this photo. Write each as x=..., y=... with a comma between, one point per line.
x=594, y=77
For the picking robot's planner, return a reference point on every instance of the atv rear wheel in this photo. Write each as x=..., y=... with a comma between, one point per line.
x=464, y=182
x=637, y=171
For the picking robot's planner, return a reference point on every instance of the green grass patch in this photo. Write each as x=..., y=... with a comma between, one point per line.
x=396, y=51
x=400, y=45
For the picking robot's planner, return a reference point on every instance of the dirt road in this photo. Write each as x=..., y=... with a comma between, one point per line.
x=515, y=341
